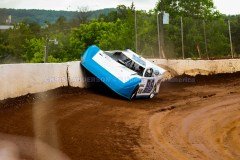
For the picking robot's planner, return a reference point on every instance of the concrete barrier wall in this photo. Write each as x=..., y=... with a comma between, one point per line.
x=21, y=79
x=76, y=76
x=199, y=67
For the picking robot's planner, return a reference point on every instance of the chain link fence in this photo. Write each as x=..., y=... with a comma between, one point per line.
x=187, y=38
x=182, y=38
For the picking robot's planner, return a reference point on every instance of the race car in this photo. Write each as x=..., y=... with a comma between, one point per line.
x=126, y=73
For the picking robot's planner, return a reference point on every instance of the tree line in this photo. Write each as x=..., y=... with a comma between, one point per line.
x=43, y=16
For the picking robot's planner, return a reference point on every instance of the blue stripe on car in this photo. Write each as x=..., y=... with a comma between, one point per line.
x=123, y=89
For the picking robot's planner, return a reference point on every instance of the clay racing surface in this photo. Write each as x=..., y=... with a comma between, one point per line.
x=198, y=120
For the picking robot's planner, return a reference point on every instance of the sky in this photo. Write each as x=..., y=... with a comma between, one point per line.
x=224, y=6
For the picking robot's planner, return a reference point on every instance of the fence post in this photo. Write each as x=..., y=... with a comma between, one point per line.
x=136, y=37
x=230, y=38
x=183, y=52
x=159, y=41
x=205, y=38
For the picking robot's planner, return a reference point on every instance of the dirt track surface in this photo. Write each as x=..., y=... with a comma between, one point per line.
x=185, y=121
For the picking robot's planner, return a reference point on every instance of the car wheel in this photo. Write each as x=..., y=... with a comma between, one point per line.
x=151, y=95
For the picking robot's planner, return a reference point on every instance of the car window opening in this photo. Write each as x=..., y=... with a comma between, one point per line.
x=124, y=60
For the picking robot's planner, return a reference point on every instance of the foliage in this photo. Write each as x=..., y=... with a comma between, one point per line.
x=235, y=23
x=193, y=14
x=107, y=35
x=34, y=50
x=115, y=29
x=203, y=9
x=118, y=34
x=41, y=16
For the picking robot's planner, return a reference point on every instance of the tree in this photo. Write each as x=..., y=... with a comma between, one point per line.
x=193, y=14
x=6, y=50
x=235, y=23
x=218, y=40
x=107, y=35
x=17, y=39
x=83, y=15
x=147, y=34
x=188, y=8
x=34, y=50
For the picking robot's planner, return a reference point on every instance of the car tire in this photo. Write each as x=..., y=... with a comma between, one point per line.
x=153, y=93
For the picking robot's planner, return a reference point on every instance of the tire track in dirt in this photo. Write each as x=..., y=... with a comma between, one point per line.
x=210, y=130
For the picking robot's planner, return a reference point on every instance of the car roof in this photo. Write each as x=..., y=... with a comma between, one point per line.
x=139, y=60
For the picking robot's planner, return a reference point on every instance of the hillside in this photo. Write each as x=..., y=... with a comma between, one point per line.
x=40, y=16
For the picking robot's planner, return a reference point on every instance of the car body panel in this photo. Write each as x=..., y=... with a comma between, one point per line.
x=118, y=77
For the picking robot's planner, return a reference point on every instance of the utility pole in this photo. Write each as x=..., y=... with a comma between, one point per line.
x=183, y=52
x=230, y=38
x=205, y=38
x=161, y=29
x=159, y=41
x=55, y=41
x=136, y=36
x=45, y=54
x=162, y=35
x=46, y=51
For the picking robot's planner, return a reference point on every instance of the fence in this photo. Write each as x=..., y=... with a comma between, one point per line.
x=182, y=38
x=186, y=37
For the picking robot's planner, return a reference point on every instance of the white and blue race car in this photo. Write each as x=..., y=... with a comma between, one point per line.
x=124, y=72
